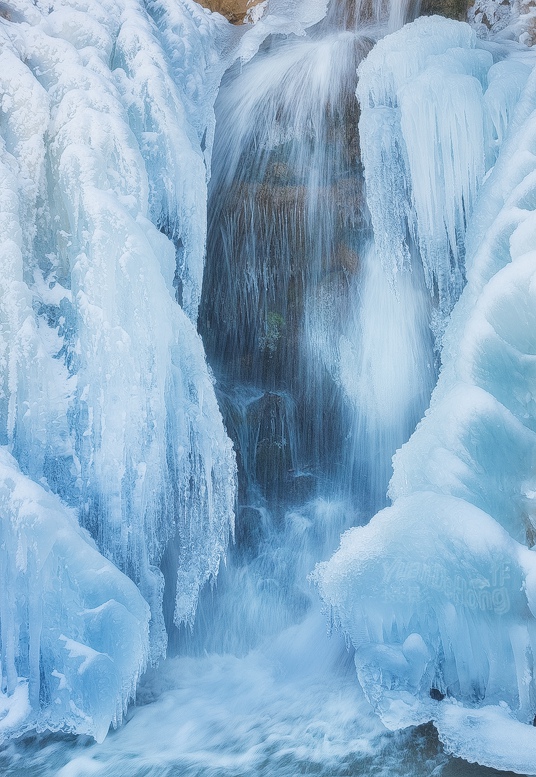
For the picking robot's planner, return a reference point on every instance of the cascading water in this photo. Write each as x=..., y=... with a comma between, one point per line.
x=322, y=345
x=323, y=366
x=387, y=370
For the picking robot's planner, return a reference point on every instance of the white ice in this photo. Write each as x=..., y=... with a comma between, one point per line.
x=74, y=629
x=429, y=127
x=106, y=400
x=105, y=396
x=437, y=593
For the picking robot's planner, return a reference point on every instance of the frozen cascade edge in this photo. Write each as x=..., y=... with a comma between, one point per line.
x=437, y=592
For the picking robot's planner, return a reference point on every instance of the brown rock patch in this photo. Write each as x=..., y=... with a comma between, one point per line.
x=234, y=10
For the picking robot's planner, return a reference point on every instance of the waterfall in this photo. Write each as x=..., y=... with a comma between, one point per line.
x=387, y=369
x=289, y=267
x=315, y=403
x=216, y=401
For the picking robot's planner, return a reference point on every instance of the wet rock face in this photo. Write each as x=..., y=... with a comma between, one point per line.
x=282, y=257
x=237, y=11
x=453, y=9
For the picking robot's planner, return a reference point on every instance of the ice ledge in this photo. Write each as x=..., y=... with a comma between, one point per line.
x=490, y=736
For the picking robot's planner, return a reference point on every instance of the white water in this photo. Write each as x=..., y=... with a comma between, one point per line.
x=386, y=367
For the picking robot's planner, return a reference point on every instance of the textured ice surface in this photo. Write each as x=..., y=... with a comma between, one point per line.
x=435, y=109
x=503, y=20
x=106, y=401
x=433, y=114
x=291, y=17
x=440, y=596
x=437, y=592
x=118, y=411
x=105, y=396
x=490, y=736
x=74, y=630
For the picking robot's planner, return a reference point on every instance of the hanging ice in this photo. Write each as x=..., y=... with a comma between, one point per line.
x=438, y=592
x=432, y=113
x=106, y=402
x=105, y=397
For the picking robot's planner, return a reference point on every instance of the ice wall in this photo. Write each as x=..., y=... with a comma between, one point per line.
x=105, y=396
x=434, y=112
x=433, y=116
x=437, y=593
x=73, y=629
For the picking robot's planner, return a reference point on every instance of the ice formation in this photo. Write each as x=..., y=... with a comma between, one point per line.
x=432, y=120
x=512, y=20
x=425, y=152
x=438, y=592
x=74, y=630
x=108, y=416
x=117, y=478
x=106, y=399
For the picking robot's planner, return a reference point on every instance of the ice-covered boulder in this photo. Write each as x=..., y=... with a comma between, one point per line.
x=434, y=594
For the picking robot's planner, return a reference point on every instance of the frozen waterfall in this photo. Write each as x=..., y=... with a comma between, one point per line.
x=106, y=399
x=437, y=592
x=235, y=262
x=111, y=433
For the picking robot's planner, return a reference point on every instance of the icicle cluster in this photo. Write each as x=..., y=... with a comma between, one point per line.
x=105, y=396
x=430, y=126
x=438, y=592
x=107, y=408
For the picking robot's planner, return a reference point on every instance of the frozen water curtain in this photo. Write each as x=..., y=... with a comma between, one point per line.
x=357, y=246
x=113, y=442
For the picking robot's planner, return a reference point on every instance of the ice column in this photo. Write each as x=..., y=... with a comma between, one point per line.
x=106, y=398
